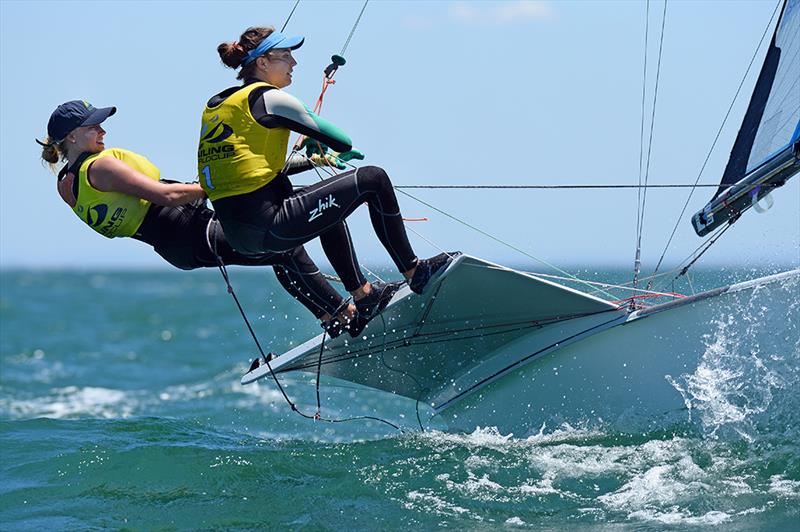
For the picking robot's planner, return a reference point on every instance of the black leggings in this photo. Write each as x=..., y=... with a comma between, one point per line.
x=181, y=235
x=273, y=219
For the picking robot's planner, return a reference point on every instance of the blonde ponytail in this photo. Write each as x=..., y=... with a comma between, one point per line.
x=52, y=152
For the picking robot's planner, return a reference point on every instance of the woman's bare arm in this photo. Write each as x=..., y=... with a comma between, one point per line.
x=108, y=174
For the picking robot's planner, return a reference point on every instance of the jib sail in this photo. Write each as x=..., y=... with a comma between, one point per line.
x=765, y=153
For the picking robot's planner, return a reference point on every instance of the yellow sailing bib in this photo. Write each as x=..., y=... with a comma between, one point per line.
x=236, y=154
x=113, y=214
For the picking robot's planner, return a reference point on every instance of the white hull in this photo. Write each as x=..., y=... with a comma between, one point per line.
x=629, y=376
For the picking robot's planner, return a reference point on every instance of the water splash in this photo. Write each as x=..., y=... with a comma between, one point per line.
x=746, y=360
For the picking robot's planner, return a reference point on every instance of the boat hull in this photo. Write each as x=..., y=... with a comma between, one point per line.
x=632, y=376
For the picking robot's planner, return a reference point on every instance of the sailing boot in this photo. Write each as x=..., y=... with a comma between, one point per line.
x=339, y=322
x=428, y=269
x=372, y=304
x=333, y=327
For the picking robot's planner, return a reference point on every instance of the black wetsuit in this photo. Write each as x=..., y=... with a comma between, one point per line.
x=188, y=237
x=276, y=218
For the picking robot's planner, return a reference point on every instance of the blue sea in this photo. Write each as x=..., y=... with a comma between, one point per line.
x=121, y=409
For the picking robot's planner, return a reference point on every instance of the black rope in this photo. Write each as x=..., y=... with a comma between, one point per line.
x=574, y=186
x=636, y=261
x=352, y=31
x=434, y=338
x=640, y=221
x=319, y=370
x=224, y=271
x=423, y=389
x=708, y=243
x=290, y=16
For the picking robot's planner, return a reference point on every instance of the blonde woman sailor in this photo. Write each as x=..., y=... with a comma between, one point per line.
x=119, y=193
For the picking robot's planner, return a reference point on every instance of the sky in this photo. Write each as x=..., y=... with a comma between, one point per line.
x=436, y=93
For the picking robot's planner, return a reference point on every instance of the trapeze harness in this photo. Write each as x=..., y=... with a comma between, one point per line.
x=242, y=168
x=187, y=236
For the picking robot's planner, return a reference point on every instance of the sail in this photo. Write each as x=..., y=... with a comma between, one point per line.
x=764, y=153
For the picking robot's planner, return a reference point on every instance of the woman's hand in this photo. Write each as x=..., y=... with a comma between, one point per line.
x=337, y=160
x=327, y=160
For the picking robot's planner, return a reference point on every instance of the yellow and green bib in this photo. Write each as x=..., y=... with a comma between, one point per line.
x=113, y=214
x=236, y=154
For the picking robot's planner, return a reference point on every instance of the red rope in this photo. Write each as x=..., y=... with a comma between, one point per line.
x=623, y=302
x=326, y=82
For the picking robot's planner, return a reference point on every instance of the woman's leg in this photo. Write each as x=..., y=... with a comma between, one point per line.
x=318, y=209
x=294, y=269
x=298, y=274
x=338, y=247
x=188, y=238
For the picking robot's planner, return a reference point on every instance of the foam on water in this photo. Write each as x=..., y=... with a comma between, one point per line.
x=600, y=476
x=72, y=401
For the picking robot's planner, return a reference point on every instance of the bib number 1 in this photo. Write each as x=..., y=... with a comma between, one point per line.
x=207, y=174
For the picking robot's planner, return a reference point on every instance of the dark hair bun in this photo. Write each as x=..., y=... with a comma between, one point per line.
x=231, y=54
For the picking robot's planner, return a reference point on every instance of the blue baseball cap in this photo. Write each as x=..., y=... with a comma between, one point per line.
x=276, y=39
x=74, y=114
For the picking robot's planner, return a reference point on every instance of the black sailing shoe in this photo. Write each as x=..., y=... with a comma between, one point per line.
x=372, y=304
x=427, y=269
x=337, y=324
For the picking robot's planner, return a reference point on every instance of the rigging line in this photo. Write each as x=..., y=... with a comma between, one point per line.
x=719, y=132
x=433, y=244
x=556, y=187
x=329, y=277
x=647, y=278
x=290, y=16
x=419, y=386
x=694, y=255
x=484, y=233
x=606, y=285
x=447, y=335
x=352, y=31
x=637, y=258
x=640, y=228
x=317, y=417
x=653, y=118
x=575, y=186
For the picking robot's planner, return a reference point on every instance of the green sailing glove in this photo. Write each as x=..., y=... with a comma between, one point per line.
x=350, y=155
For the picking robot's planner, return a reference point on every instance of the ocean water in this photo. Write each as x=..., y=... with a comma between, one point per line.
x=121, y=408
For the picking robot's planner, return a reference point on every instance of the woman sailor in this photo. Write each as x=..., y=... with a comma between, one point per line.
x=244, y=170
x=119, y=193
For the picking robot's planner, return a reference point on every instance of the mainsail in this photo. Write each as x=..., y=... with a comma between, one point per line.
x=766, y=152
